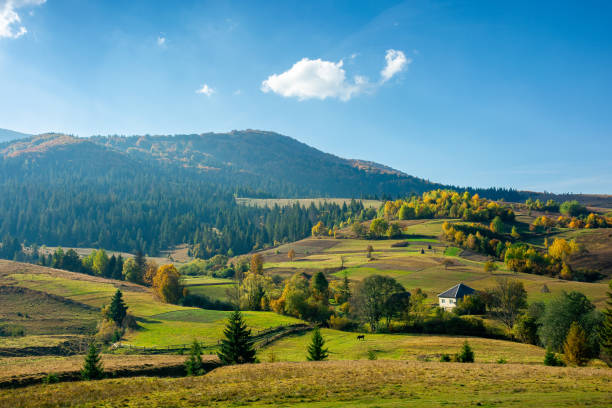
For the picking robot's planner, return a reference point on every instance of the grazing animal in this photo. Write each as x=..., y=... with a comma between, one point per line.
x=361, y=337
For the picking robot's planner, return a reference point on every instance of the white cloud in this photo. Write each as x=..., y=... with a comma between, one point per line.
x=206, y=90
x=396, y=62
x=161, y=41
x=314, y=79
x=10, y=21
x=237, y=92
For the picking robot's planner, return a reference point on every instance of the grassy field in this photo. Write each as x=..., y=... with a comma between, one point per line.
x=379, y=383
x=160, y=324
x=304, y=202
x=345, y=346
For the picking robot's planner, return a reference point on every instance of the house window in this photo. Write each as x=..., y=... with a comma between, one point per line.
x=443, y=300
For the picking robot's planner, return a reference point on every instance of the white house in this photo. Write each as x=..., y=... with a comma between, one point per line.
x=448, y=299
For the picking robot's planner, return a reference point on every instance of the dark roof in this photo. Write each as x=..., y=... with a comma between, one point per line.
x=457, y=291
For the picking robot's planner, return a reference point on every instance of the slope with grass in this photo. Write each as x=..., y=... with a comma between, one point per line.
x=420, y=264
x=161, y=324
x=339, y=384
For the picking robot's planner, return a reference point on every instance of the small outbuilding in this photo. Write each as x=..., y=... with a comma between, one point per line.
x=448, y=299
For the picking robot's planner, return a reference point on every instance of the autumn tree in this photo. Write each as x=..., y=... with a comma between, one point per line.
x=497, y=225
x=378, y=227
x=150, y=272
x=490, y=266
x=291, y=254
x=575, y=348
x=318, y=230
x=167, y=285
x=257, y=264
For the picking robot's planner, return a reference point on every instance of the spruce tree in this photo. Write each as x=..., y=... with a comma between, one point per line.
x=141, y=264
x=466, y=355
x=606, y=330
x=92, y=369
x=316, y=352
x=575, y=348
x=117, y=309
x=237, y=347
x=194, y=365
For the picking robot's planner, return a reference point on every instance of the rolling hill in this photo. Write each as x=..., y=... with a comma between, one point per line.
x=8, y=135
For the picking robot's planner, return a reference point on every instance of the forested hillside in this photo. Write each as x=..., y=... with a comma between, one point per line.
x=150, y=193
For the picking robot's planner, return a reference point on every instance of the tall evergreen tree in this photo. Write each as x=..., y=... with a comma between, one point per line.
x=141, y=262
x=237, y=347
x=316, y=352
x=117, y=309
x=92, y=369
x=194, y=365
x=118, y=270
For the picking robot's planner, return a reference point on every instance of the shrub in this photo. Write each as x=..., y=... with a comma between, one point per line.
x=372, y=355
x=466, y=355
x=501, y=360
x=108, y=332
x=50, y=378
x=445, y=358
x=551, y=359
x=11, y=330
x=340, y=323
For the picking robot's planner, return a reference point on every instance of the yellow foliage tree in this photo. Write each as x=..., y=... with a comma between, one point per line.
x=291, y=254
x=575, y=348
x=167, y=285
x=257, y=264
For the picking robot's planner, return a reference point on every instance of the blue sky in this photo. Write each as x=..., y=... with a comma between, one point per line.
x=481, y=93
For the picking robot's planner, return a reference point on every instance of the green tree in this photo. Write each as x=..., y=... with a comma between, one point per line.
x=378, y=227
x=131, y=272
x=117, y=309
x=194, y=365
x=466, y=355
x=320, y=285
x=345, y=289
x=497, y=225
x=575, y=348
x=490, y=266
x=572, y=209
x=237, y=346
x=406, y=212
x=100, y=262
x=508, y=299
x=92, y=369
x=559, y=314
x=316, y=350
x=141, y=263
x=394, y=230
x=372, y=299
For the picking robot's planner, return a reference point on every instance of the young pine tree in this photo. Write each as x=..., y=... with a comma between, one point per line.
x=194, y=365
x=117, y=309
x=92, y=369
x=237, y=347
x=316, y=352
x=466, y=355
x=575, y=348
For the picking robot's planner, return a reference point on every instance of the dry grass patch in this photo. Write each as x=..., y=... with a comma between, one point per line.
x=348, y=383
